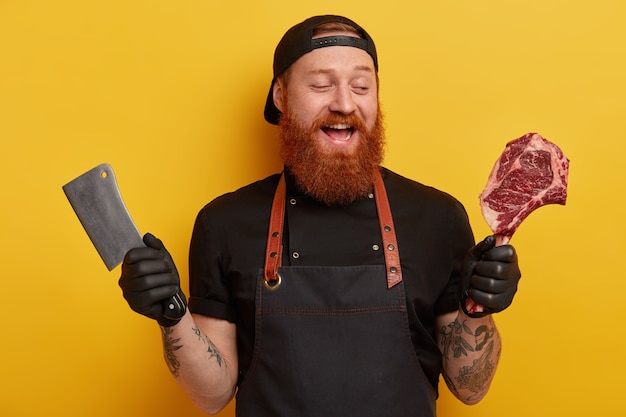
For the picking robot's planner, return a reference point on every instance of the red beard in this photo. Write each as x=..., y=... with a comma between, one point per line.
x=334, y=177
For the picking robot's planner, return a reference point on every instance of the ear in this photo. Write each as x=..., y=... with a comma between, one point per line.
x=277, y=94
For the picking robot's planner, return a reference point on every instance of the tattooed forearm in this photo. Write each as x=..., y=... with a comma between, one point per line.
x=478, y=347
x=169, y=347
x=475, y=377
x=211, y=348
x=454, y=338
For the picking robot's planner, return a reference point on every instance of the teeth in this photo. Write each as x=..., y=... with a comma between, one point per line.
x=342, y=126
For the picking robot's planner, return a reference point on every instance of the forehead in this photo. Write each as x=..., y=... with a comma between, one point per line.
x=335, y=58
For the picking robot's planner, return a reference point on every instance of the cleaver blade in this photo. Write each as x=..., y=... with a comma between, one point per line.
x=97, y=202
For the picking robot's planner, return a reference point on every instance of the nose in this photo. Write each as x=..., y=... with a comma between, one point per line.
x=342, y=101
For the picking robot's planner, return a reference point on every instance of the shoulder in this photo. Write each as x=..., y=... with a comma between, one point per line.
x=249, y=197
x=243, y=208
x=405, y=191
x=425, y=208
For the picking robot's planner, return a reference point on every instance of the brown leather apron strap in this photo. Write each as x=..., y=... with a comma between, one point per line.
x=274, y=250
x=388, y=232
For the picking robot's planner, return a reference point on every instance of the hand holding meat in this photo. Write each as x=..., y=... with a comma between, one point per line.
x=149, y=280
x=490, y=277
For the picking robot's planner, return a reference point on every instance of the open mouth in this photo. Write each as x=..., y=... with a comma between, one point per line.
x=339, y=132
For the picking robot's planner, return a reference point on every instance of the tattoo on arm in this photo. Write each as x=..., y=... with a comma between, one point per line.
x=169, y=347
x=457, y=340
x=211, y=348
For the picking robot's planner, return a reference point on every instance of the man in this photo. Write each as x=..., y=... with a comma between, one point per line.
x=353, y=301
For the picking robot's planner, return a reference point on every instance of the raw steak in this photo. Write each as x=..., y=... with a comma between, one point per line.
x=530, y=173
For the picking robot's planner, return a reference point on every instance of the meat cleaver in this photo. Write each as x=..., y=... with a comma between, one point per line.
x=97, y=202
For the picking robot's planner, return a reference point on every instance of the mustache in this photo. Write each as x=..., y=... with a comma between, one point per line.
x=351, y=120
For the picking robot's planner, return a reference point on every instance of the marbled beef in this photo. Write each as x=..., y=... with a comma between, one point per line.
x=530, y=173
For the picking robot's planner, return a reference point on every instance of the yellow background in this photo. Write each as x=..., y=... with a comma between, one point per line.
x=170, y=93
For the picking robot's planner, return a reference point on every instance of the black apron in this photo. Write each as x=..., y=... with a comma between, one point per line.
x=333, y=341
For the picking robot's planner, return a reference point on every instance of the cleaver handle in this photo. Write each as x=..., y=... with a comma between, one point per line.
x=175, y=307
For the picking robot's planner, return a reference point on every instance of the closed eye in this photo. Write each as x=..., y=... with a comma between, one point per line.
x=320, y=87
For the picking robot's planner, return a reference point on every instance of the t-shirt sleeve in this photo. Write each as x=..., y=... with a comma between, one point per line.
x=461, y=240
x=209, y=293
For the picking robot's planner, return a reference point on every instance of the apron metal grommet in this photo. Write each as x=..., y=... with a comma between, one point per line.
x=273, y=285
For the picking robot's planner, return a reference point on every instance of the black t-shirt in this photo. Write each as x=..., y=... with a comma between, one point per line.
x=230, y=234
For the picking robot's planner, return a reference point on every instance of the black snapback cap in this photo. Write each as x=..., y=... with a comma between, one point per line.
x=299, y=41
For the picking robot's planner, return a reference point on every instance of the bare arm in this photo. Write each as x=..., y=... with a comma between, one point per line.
x=201, y=353
x=471, y=349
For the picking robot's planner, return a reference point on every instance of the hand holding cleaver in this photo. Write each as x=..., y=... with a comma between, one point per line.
x=97, y=202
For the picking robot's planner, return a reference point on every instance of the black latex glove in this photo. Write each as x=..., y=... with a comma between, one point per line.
x=150, y=283
x=490, y=277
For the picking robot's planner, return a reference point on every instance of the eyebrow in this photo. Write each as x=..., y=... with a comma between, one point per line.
x=365, y=68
